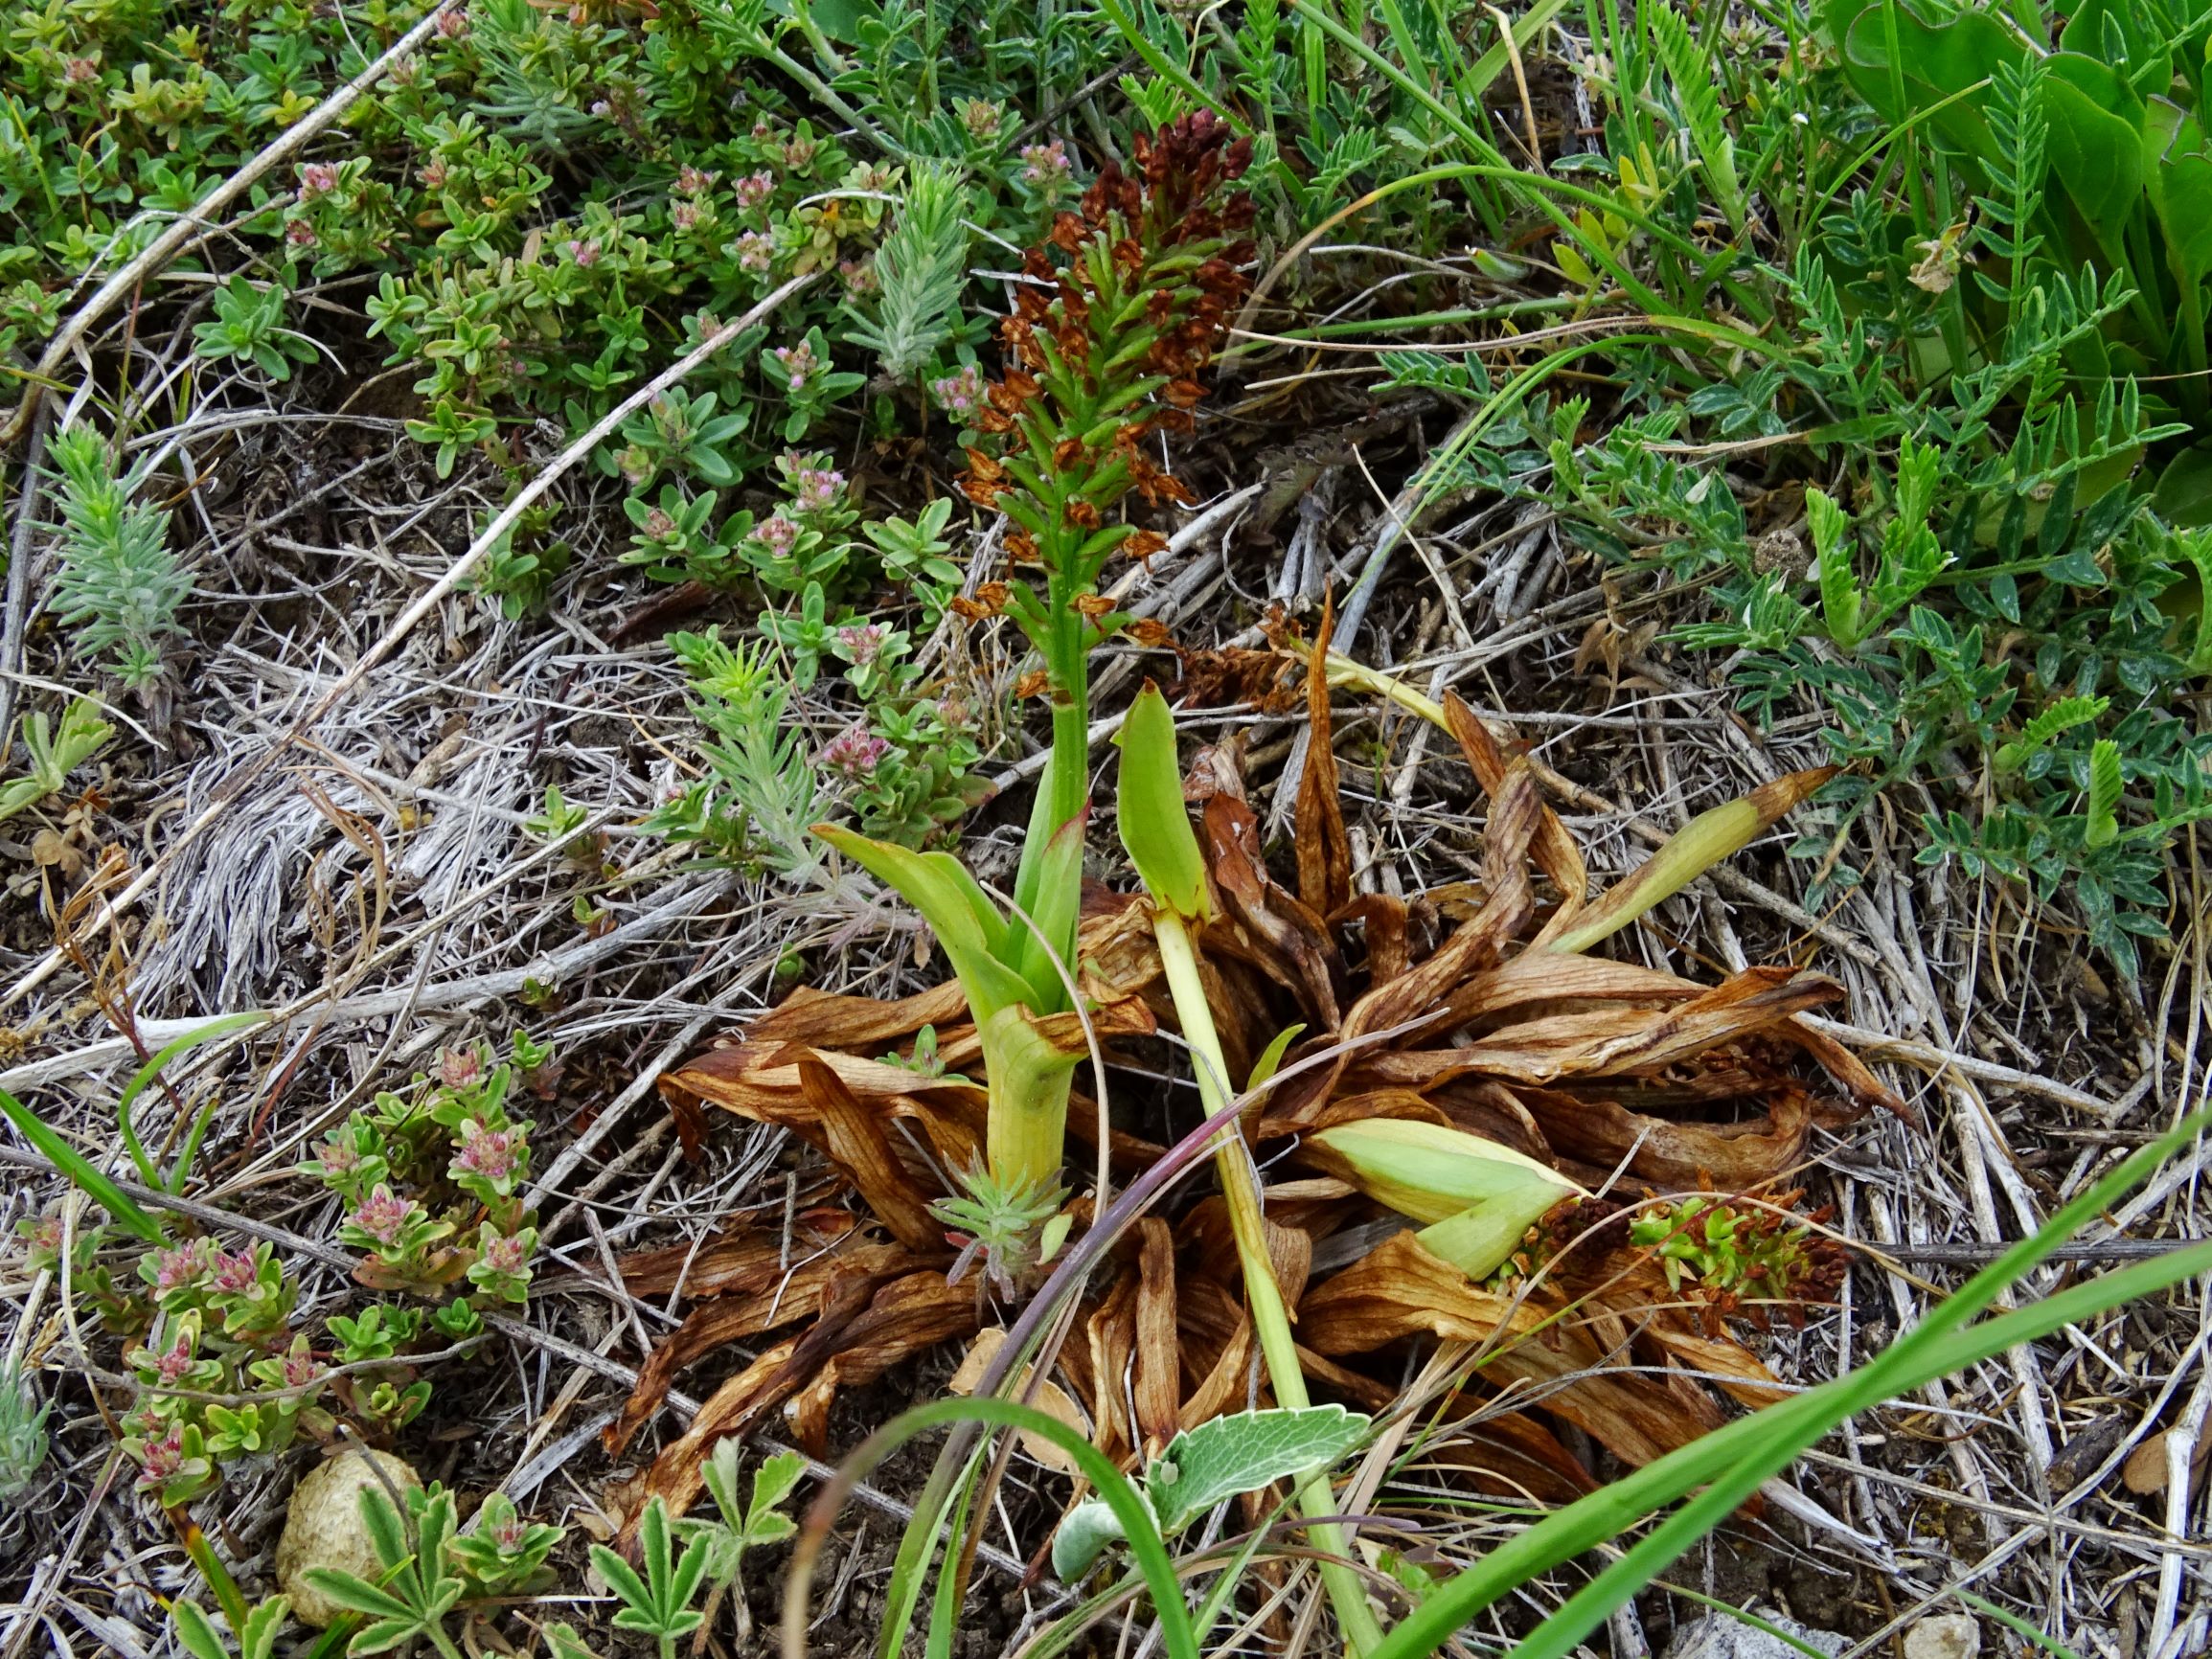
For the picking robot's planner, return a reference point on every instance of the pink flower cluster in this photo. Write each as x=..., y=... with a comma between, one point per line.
x=1045, y=165
x=959, y=395
x=384, y=1216
x=755, y=251
x=854, y=752
x=505, y=1252
x=815, y=489
x=799, y=363
x=778, y=535
x=495, y=1154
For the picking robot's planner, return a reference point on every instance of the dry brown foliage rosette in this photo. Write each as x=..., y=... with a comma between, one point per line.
x=1460, y=1008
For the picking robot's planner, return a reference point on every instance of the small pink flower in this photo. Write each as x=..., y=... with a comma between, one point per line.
x=694, y=180
x=460, y=1068
x=338, y=1156
x=799, y=363
x=778, y=535
x=384, y=1216
x=453, y=25
x=756, y=251
x=433, y=173
x=175, y=1364
x=863, y=641
x=317, y=178
x=492, y=1153
x=860, y=276
x=162, y=1458
x=658, y=526
x=854, y=752
x=799, y=154
x=506, y=1254
x=755, y=189
x=301, y=1370
x=300, y=233
x=79, y=70
x=982, y=120
x=763, y=130
x=602, y=109
x=508, y=1534
x=178, y=1269
x=960, y=394
x=234, y=1275
x=815, y=489
x=1045, y=164
x=585, y=254
x=44, y=1239
x=684, y=215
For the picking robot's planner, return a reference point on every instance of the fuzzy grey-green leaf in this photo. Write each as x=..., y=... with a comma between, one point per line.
x=1235, y=1454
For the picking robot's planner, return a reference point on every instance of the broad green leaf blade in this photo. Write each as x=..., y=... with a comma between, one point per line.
x=774, y=1481
x=259, y=1639
x=2178, y=175
x=1839, y=596
x=2096, y=142
x=1270, y=1060
x=1433, y=1171
x=380, y=1520
x=385, y=1635
x=966, y=922
x=1931, y=63
x=622, y=1578
x=1154, y=826
x=2105, y=785
x=1240, y=1453
x=358, y=1595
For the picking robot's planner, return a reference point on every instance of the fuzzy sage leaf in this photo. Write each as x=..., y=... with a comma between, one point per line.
x=1214, y=1462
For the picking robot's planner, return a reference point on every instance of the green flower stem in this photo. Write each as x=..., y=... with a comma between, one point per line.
x=1362, y=1632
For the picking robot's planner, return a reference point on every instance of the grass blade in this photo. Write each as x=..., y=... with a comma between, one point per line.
x=1136, y=1516
x=80, y=1169
x=1737, y=1458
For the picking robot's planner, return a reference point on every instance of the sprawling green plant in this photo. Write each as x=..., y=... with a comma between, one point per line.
x=2086, y=148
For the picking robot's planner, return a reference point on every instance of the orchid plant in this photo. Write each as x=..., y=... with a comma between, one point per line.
x=1118, y=313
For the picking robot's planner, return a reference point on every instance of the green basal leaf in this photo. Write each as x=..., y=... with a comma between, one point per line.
x=1154, y=826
